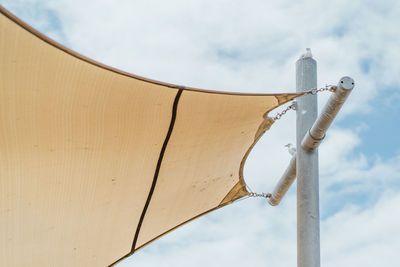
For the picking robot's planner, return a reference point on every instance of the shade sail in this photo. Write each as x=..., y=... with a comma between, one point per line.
x=96, y=163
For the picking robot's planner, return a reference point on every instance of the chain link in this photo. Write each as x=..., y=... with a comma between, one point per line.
x=266, y=195
x=314, y=91
x=283, y=112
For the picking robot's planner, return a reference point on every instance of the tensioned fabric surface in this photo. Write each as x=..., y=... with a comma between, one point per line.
x=96, y=163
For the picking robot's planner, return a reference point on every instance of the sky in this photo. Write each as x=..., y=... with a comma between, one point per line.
x=252, y=46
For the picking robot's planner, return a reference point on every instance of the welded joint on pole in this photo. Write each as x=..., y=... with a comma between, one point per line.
x=315, y=138
x=312, y=142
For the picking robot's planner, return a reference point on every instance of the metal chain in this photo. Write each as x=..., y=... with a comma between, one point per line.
x=313, y=91
x=266, y=195
x=283, y=112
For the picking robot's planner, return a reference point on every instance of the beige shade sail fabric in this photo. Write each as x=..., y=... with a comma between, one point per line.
x=96, y=163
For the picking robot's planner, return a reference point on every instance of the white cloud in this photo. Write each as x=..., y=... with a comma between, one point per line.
x=369, y=237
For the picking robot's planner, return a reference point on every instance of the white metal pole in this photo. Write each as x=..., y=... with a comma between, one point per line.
x=308, y=240
x=317, y=132
x=284, y=183
x=315, y=135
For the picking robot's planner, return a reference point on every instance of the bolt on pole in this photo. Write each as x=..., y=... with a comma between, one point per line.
x=308, y=238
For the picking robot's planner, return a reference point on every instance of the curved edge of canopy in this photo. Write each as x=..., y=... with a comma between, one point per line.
x=169, y=231
x=238, y=191
x=52, y=42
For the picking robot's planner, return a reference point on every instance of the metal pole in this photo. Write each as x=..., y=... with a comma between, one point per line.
x=308, y=241
x=315, y=135
x=317, y=132
x=284, y=183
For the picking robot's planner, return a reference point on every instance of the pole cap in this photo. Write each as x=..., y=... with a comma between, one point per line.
x=346, y=83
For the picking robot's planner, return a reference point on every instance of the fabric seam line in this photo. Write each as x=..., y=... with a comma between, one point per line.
x=156, y=173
